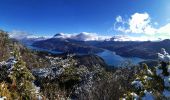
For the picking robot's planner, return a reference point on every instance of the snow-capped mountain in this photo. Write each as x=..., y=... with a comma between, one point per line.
x=83, y=36
x=132, y=38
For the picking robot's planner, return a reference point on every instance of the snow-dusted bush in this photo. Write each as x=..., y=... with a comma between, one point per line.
x=155, y=84
x=19, y=80
x=164, y=56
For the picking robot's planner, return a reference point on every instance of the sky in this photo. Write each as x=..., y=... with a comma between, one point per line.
x=133, y=18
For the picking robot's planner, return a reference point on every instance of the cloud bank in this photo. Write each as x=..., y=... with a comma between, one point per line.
x=83, y=36
x=138, y=27
x=140, y=23
x=18, y=34
x=25, y=35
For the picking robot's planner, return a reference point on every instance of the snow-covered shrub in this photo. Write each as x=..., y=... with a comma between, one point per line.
x=164, y=59
x=60, y=74
x=19, y=80
x=155, y=84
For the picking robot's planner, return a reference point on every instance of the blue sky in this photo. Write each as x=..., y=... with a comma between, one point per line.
x=47, y=17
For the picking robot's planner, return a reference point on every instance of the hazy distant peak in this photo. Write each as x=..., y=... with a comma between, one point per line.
x=58, y=34
x=62, y=35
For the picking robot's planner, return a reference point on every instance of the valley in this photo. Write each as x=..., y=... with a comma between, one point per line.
x=84, y=50
x=114, y=53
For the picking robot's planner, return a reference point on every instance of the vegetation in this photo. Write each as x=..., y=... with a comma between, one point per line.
x=19, y=78
x=152, y=84
x=43, y=76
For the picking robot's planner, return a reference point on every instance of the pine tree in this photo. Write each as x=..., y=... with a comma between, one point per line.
x=4, y=91
x=150, y=85
x=22, y=78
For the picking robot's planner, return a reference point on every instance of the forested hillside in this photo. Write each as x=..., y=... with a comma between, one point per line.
x=45, y=76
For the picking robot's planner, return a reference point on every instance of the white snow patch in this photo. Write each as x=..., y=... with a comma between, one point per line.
x=135, y=96
x=138, y=84
x=148, y=96
x=3, y=98
x=164, y=56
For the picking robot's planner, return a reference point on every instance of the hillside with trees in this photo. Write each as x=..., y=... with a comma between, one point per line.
x=32, y=75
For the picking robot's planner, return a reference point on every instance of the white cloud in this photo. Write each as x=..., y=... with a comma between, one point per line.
x=133, y=38
x=140, y=23
x=18, y=34
x=120, y=24
x=83, y=36
x=149, y=30
x=119, y=19
x=22, y=35
x=164, y=29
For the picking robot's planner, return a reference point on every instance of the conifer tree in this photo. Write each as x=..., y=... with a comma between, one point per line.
x=155, y=84
x=22, y=78
x=4, y=91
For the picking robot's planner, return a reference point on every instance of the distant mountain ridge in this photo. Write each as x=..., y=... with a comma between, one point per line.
x=145, y=50
x=141, y=49
x=83, y=36
x=66, y=45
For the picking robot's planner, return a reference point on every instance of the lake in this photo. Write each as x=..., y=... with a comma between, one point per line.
x=112, y=59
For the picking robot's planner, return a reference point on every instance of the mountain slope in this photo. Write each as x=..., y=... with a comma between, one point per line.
x=66, y=45
x=145, y=50
x=4, y=45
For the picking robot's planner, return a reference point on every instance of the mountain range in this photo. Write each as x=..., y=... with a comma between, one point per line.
x=85, y=43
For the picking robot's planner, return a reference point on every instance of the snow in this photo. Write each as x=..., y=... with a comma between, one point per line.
x=123, y=99
x=160, y=56
x=9, y=63
x=148, y=96
x=135, y=96
x=49, y=71
x=147, y=78
x=164, y=56
x=149, y=72
x=2, y=98
x=2, y=63
x=57, y=66
x=2, y=85
x=167, y=58
x=83, y=36
x=163, y=51
x=37, y=91
x=138, y=84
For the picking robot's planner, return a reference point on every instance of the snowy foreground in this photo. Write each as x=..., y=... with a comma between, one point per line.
x=145, y=80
